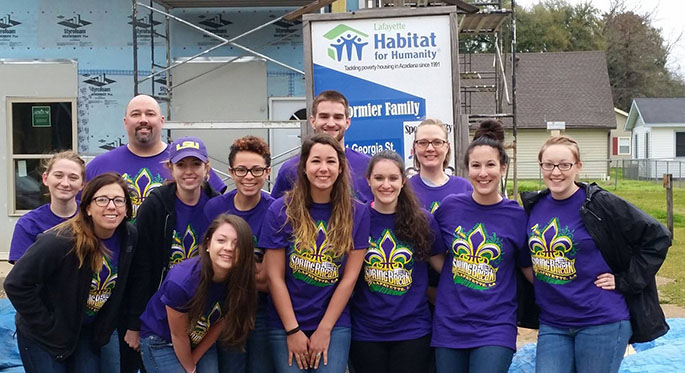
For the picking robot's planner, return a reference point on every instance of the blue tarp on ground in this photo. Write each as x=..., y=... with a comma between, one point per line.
x=662, y=355
x=10, y=362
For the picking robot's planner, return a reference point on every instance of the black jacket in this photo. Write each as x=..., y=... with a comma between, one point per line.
x=50, y=291
x=156, y=220
x=634, y=245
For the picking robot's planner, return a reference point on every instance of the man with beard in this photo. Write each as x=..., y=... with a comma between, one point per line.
x=141, y=161
x=330, y=114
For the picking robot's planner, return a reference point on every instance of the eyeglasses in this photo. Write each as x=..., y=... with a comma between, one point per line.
x=424, y=143
x=103, y=201
x=255, y=171
x=564, y=166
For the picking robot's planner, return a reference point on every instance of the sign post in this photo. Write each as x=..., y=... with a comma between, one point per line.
x=397, y=67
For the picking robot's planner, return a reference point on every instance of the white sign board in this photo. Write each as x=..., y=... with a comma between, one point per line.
x=556, y=126
x=395, y=72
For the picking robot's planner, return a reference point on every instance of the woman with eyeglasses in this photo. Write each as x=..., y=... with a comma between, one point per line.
x=249, y=161
x=171, y=222
x=431, y=156
x=431, y=185
x=315, y=238
x=68, y=288
x=474, y=325
x=64, y=177
x=594, y=257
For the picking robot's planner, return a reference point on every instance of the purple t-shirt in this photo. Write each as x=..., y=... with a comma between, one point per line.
x=176, y=291
x=191, y=225
x=102, y=284
x=143, y=174
x=390, y=302
x=431, y=196
x=357, y=163
x=476, y=300
x=566, y=263
x=29, y=226
x=311, y=274
x=254, y=217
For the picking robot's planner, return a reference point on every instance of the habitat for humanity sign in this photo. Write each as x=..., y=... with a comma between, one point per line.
x=395, y=72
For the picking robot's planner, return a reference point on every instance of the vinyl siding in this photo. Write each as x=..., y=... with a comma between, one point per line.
x=594, y=151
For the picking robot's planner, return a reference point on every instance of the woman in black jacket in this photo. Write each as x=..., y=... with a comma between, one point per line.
x=595, y=257
x=171, y=222
x=68, y=287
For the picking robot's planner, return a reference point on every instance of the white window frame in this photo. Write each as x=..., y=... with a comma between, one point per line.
x=12, y=158
x=675, y=144
x=618, y=145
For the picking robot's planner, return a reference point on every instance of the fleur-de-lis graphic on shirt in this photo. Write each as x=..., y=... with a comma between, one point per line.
x=474, y=258
x=388, y=265
x=550, y=250
x=101, y=289
x=204, y=323
x=399, y=256
x=140, y=186
x=185, y=247
x=316, y=265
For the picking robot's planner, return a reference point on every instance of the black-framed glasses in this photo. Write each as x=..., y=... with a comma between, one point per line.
x=563, y=166
x=424, y=143
x=103, y=201
x=255, y=171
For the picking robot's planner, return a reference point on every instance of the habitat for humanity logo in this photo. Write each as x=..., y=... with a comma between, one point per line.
x=73, y=22
x=345, y=38
x=7, y=22
x=99, y=80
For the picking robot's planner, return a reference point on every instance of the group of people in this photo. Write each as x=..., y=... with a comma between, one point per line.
x=332, y=270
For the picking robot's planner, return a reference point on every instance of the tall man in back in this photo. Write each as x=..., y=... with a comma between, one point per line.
x=330, y=114
x=141, y=161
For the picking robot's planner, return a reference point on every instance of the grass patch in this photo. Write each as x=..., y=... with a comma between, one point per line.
x=651, y=198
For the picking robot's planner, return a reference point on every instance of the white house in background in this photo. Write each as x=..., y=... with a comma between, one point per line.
x=620, y=138
x=658, y=126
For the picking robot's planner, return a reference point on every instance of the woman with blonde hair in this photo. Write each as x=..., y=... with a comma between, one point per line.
x=431, y=151
x=315, y=239
x=64, y=177
x=595, y=257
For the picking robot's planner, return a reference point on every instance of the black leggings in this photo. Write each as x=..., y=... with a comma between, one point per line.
x=410, y=356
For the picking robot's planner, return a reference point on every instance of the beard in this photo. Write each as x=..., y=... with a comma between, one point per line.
x=143, y=138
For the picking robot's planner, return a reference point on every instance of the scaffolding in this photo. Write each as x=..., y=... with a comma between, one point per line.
x=159, y=74
x=487, y=21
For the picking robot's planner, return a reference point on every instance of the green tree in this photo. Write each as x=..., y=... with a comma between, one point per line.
x=636, y=50
x=556, y=26
x=636, y=59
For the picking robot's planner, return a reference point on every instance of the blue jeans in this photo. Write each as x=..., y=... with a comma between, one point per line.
x=484, y=359
x=159, y=357
x=590, y=349
x=338, y=351
x=257, y=358
x=37, y=359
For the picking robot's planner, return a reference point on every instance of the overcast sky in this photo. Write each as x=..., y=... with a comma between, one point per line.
x=669, y=15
